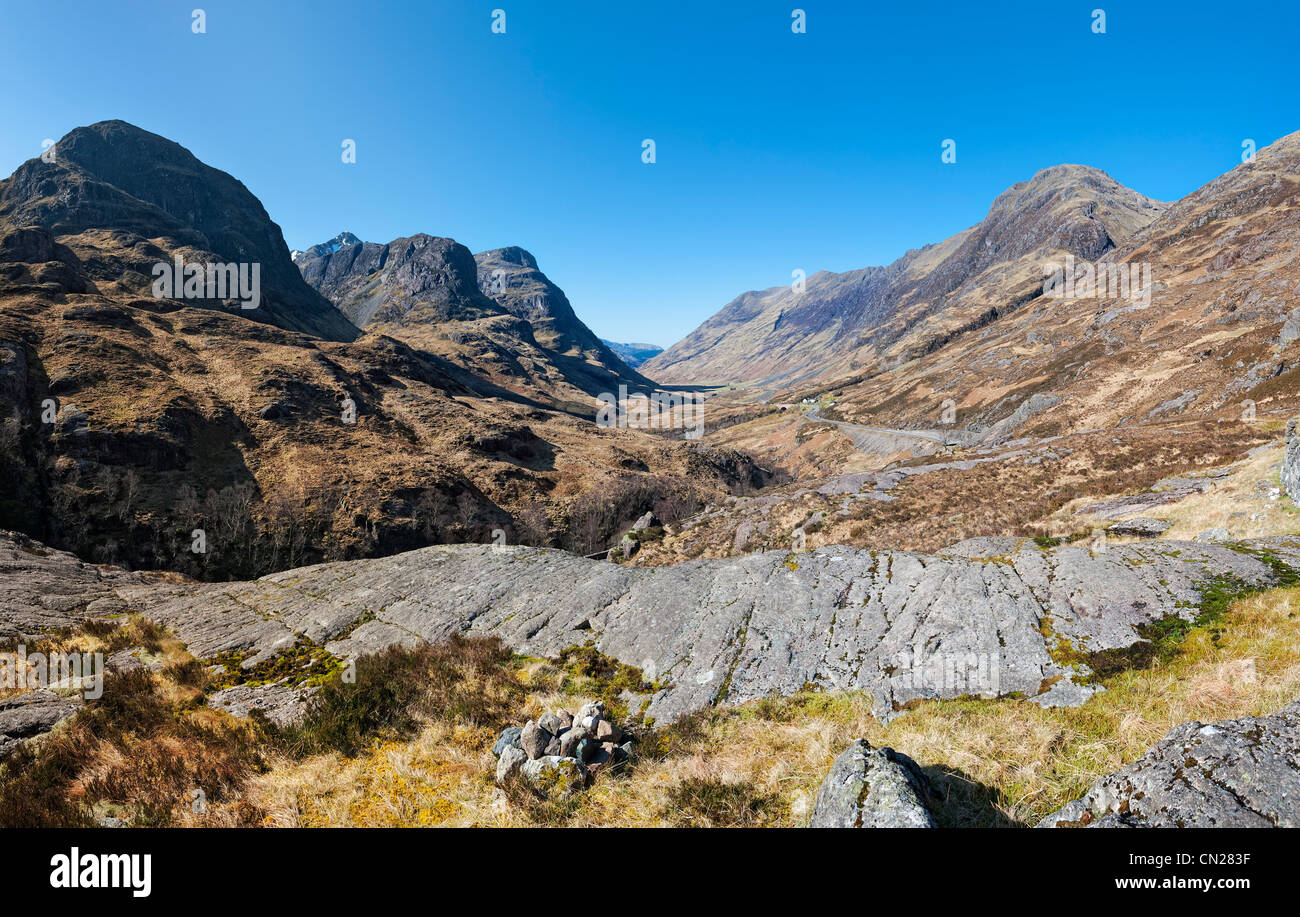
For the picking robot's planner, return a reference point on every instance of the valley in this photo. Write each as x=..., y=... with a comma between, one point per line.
x=401, y=503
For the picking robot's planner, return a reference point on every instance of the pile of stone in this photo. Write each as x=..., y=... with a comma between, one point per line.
x=559, y=754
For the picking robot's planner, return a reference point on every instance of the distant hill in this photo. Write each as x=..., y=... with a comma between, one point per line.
x=633, y=354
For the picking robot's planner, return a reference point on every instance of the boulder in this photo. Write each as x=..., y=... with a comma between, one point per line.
x=873, y=788
x=533, y=739
x=26, y=716
x=509, y=736
x=608, y=732
x=1212, y=535
x=1242, y=773
x=550, y=722
x=510, y=763
x=570, y=740
x=565, y=718
x=553, y=776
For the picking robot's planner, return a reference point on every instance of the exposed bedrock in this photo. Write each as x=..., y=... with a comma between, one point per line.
x=983, y=618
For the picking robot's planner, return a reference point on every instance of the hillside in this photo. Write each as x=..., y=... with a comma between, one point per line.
x=865, y=320
x=281, y=433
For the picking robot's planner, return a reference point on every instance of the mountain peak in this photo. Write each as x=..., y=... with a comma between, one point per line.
x=151, y=191
x=329, y=247
x=511, y=254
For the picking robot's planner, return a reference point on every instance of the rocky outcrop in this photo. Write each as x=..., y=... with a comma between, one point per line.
x=1140, y=527
x=1291, y=462
x=29, y=715
x=495, y=312
x=1242, y=773
x=986, y=617
x=873, y=788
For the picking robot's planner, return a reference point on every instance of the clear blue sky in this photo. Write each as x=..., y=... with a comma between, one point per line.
x=776, y=151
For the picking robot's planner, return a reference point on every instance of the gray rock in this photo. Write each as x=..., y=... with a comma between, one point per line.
x=1291, y=462
x=283, y=704
x=35, y=713
x=1142, y=527
x=553, y=776
x=533, y=739
x=565, y=718
x=509, y=764
x=645, y=522
x=550, y=722
x=553, y=746
x=1242, y=773
x=509, y=736
x=896, y=624
x=873, y=788
x=1212, y=535
x=569, y=741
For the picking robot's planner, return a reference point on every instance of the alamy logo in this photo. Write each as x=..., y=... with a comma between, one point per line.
x=660, y=410
x=22, y=671
x=103, y=870
x=948, y=674
x=179, y=279
x=1103, y=280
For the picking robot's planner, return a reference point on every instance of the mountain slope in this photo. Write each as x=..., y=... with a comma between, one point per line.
x=176, y=434
x=494, y=313
x=842, y=323
x=124, y=199
x=1218, y=332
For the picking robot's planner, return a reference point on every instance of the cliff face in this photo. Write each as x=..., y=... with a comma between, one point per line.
x=494, y=313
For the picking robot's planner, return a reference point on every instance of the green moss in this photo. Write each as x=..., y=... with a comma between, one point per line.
x=306, y=663
x=590, y=672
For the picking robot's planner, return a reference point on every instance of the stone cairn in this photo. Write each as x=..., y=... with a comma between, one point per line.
x=559, y=754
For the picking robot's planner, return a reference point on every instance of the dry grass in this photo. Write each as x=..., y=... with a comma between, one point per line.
x=408, y=743
x=996, y=763
x=1239, y=503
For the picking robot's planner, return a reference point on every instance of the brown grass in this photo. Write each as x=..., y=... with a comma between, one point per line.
x=993, y=763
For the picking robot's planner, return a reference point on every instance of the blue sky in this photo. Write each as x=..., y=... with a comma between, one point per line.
x=775, y=151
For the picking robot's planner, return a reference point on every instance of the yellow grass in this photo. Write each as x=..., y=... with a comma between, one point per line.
x=996, y=762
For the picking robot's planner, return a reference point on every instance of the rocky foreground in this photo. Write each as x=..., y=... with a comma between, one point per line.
x=987, y=617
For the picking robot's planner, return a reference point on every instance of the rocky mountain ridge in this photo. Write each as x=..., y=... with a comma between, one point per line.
x=841, y=323
x=495, y=312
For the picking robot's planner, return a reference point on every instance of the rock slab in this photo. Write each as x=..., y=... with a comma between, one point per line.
x=1242, y=773
x=873, y=788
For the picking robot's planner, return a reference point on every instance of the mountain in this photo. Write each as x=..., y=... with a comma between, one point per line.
x=1217, y=331
x=494, y=313
x=843, y=323
x=342, y=240
x=197, y=436
x=1054, y=416
x=634, y=355
x=123, y=200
